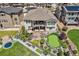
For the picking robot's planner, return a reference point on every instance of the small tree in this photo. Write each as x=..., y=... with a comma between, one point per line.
x=42, y=41
x=47, y=50
x=0, y=40
x=66, y=53
x=17, y=36
x=64, y=28
x=74, y=51
x=62, y=35
x=59, y=53
x=23, y=31
x=22, y=37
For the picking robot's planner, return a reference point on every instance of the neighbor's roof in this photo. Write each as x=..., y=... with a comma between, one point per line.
x=10, y=10
x=40, y=14
x=72, y=8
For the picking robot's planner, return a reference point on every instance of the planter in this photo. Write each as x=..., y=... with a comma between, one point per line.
x=0, y=46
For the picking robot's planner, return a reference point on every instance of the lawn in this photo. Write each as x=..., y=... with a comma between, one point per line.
x=10, y=33
x=17, y=50
x=74, y=36
x=39, y=51
x=35, y=42
x=53, y=41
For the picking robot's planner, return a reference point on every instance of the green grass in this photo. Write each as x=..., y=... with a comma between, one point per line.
x=39, y=51
x=74, y=36
x=35, y=42
x=63, y=44
x=53, y=41
x=17, y=50
x=10, y=33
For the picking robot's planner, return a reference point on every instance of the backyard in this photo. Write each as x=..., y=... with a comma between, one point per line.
x=17, y=50
x=53, y=41
x=74, y=37
x=10, y=33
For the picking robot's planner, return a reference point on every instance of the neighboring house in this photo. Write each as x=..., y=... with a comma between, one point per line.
x=58, y=12
x=10, y=17
x=40, y=19
x=70, y=15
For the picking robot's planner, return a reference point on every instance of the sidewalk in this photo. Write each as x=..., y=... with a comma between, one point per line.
x=10, y=29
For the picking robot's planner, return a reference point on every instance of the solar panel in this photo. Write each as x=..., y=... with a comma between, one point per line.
x=72, y=8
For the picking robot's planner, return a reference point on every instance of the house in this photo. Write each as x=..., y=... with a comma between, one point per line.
x=70, y=15
x=58, y=12
x=40, y=19
x=10, y=17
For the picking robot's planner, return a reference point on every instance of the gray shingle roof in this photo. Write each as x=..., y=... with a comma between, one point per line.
x=40, y=14
x=10, y=10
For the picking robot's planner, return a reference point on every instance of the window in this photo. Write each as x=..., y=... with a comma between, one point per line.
x=76, y=19
x=50, y=27
x=69, y=13
x=72, y=18
x=5, y=20
x=49, y=22
x=72, y=14
x=16, y=22
x=27, y=21
x=53, y=27
x=15, y=19
x=2, y=20
x=2, y=14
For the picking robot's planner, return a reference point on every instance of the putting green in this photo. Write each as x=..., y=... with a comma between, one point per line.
x=53, y=41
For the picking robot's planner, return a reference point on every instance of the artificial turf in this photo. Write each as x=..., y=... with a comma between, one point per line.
x=53, y=41
x=17, y=50
x=74, y=37
x=9, y=33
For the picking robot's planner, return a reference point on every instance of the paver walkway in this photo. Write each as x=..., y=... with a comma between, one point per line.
x=70, y=42
x=60, y=24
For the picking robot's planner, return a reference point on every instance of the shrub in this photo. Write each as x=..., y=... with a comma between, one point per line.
x=62, y=36
x=64, y=28
x=22, y=37
x=42, y=41
x=66, y=53
x=38, y=50
x=35, y=42
x=74, y=51
x=0, y=41
x=59, y=52
x=46, y=50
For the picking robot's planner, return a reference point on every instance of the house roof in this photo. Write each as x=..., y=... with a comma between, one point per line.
x=10, y=10
x=72, y=8
x=40, y=14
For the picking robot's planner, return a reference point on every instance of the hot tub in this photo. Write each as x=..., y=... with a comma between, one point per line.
x=8, y=45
